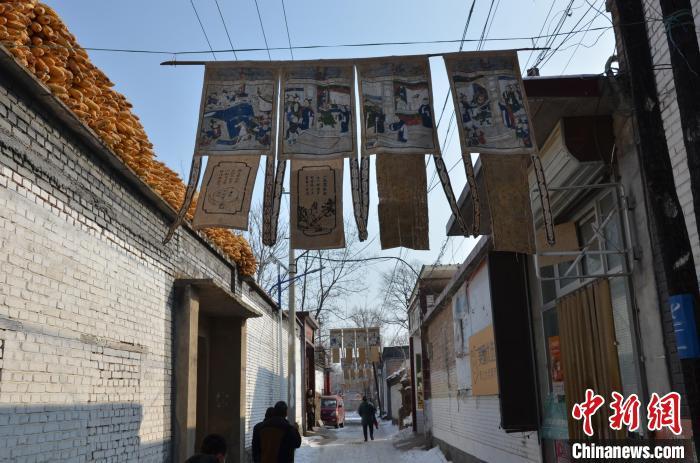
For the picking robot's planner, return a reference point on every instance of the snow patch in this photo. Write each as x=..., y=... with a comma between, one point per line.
x=433, y=455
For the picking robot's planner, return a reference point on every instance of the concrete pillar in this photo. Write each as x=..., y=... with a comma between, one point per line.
x=185, y=371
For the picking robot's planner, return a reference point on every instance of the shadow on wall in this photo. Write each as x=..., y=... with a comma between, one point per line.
x=76, y=433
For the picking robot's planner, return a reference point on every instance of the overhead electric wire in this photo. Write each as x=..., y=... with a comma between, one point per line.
x=590, y=23
x=486, y=24
x=309, y=47
x=211, y=49
x=557, y=29
x=230, y=42
x=544, y=24
x=262, y=28
x=461, y=47
x=552, y=52
x=286, y=25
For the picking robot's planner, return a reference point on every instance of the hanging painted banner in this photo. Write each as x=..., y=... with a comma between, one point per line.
x=227, y=190
x=348, y=355
x=396, y=106
x=490, y=102
x=238, y=109
x=361, y=338
x=195, y=171
x=335, y=355
x=509, y=202
x=335, y=339
x=349, y=338
x=362, y=355
x=403, y=201
x=374, y=354
x=317, y=204
x=318, y=105
x=373, y=337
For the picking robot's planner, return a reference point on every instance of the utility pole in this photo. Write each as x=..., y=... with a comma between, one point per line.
x=671, y=250
x=291, y=377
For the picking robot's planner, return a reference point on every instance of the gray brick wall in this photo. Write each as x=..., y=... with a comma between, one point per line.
x=86, y=299
x=668, y=102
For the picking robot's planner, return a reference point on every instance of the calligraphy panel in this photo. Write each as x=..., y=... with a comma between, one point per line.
x=317, y=117
x=490, y=102
x=227, y=190
x=237, y=110
x=396, y=105
x=317, y=205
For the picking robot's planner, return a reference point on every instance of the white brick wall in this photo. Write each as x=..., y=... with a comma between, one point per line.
x=671, y=119
x=86, y=300
x=266, y=379
x=468, y=423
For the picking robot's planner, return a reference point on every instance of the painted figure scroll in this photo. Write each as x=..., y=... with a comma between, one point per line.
x=317, y=118
x=398, y=115
x=236, y=118
x=493, y=116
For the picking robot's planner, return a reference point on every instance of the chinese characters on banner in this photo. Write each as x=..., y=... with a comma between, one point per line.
x=317, y=205
x=227, y=190
x=662, y=412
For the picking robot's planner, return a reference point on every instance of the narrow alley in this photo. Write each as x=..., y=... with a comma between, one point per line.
x=346, y=445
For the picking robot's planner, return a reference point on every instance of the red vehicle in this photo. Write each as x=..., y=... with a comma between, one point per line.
x=332, y=411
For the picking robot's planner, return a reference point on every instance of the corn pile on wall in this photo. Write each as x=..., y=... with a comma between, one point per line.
x=40, y=41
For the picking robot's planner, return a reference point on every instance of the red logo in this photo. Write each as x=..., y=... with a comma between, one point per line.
x=665, y=412
x=625, y=412
x=586, y=409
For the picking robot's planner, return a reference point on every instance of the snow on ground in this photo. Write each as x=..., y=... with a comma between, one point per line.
x=433, y=455
x=346, y=445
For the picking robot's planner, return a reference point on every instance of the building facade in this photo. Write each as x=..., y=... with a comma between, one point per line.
x=112, y=344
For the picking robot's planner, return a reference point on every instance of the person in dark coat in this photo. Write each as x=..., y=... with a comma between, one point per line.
x=367, y=413
x=213, y=450
x=269, y=413
x=277, y=438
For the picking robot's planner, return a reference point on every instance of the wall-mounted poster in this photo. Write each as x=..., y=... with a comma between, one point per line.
x=227, y=190
x=237, y=109
x=490, y=102
x=556, y=369
x=482, y=352
x=317, y=114
x=397, y=108
x=317, y=205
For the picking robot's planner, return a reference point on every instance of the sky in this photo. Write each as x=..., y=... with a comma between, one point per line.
x=167, y=98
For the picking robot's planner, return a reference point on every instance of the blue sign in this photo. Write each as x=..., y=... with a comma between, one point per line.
x=682, y=311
